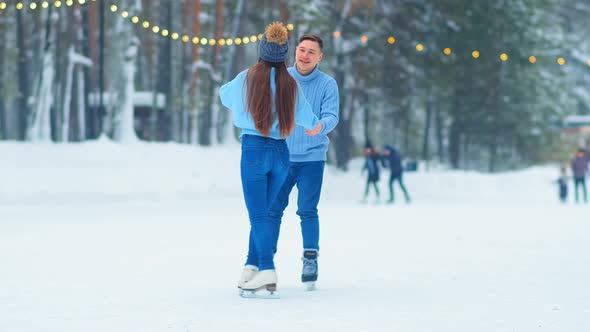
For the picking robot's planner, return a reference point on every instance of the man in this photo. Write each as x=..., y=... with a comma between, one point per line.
x=394, y=161
x=308, y=154
x=579, y=169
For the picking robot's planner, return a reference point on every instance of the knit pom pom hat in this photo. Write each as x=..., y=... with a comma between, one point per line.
x=273, y=45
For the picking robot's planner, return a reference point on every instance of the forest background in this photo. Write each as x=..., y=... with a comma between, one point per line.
x=482, y=84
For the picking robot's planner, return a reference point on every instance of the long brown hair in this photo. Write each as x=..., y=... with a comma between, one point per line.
x=260, y=97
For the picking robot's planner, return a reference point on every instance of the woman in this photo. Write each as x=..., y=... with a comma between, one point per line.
x=266, y=103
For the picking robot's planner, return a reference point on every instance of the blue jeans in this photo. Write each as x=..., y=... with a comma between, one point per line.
x=263, y=168
x=308, y=177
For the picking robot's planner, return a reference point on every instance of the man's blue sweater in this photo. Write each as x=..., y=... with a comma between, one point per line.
x=321, y=91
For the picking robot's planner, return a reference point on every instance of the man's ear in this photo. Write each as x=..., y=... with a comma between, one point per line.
x=321, y=57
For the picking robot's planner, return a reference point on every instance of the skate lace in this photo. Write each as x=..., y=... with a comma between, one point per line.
x=310, y=266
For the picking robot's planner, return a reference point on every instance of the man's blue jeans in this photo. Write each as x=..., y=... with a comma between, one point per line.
x=308, y=177
x=263, y=168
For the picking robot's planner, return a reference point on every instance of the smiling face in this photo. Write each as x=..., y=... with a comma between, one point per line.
x=307, y=56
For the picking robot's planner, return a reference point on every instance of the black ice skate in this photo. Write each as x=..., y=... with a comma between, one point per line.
x=309, y=275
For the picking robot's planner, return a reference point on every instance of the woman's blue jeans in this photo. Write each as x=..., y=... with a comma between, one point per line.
x=264, y=167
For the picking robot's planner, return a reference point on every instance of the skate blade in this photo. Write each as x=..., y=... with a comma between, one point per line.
x=310, y=286
x=261, y=294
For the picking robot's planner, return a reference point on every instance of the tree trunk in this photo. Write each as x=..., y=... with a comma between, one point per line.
x=225, y=117
x=493, y=108
x=455, y=143
x=164, y=78
x=284, y=14
x=151, y=132
x=457, y=124
x=406, y=128
x=343, y=135
x=366, y=115
x=427, y=125
x=23, y=78
x=88, y=47
x=493, y=98
x=79, y=120
x=195, y=56
x=439, y=135
x=208, y=124
x=466, y=145
x=3, y=116
x=40, y=119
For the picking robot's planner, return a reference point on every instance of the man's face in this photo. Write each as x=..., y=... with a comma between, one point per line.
x=307, y=56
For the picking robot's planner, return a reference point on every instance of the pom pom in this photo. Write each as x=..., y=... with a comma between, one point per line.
x=276, y=33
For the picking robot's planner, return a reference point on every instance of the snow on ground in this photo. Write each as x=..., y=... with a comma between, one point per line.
x=151, y=237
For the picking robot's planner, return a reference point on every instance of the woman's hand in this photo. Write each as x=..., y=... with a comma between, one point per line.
x=315, y=130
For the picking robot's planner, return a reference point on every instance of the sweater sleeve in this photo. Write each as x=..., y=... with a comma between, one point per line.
x=330, y=108
x=232, y=93
x=304, y=116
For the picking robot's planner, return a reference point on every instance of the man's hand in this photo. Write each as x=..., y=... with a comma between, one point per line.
x=315, y=130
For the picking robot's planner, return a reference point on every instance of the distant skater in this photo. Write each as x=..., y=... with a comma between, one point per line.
x=372, y=167
x=562, y=184
x=393, y=160
x=579, y=169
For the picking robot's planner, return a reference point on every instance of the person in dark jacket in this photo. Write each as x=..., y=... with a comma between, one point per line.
x=562, y=183
x=579, y=169
x=372, y=167
x=393, y=160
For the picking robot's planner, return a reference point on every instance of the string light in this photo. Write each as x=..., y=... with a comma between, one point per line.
x=146, y=24
x=196, y=39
